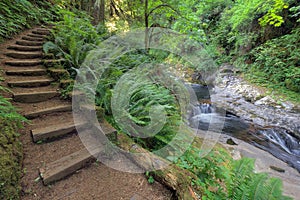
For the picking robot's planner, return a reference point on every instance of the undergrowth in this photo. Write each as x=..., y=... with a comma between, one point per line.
x=15, y=15
x=221, y=177
x=10, y=149
x=276, y=65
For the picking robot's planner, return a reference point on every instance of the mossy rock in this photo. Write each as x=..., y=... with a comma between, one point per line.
x=52, y=63
x=100, y=112
x=10, y=162
x=48, y=56
x=59, y=74
x=64, y=84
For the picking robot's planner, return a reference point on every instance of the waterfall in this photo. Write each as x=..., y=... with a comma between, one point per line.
x=283, y=139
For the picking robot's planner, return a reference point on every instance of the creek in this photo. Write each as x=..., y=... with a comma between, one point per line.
x=276, y=140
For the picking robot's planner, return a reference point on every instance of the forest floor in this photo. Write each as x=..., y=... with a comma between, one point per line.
x=94, y=180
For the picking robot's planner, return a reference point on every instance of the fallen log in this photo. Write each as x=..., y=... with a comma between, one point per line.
x=175, y=178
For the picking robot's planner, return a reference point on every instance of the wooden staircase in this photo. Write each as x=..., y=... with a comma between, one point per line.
x=36, y=94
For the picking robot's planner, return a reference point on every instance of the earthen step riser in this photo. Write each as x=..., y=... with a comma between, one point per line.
x=35, y=97
x=38, y=113
x=28, y=38
x=21, y=55
x=24, y=63
x=39, y=72
x=29, y=43
x=25, y=48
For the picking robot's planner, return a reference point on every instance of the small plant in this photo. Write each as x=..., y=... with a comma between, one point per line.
x=150, y=178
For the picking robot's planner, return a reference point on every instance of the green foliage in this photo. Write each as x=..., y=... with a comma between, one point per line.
x=74, y=37
x=221, y=177
x=295, y=12
x=150, y=178
x=273, y=17
x=10, y=149
x=277, y=62
x=16, y=15
x=143, y=98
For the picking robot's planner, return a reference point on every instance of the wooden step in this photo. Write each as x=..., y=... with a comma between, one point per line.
x=27, y=72
x=25, y=48
x=23, y=63
x=43, y=29
x=33, y=38
x=59, y=130
x=41, y=32
x=52, y=131
x=36, y=35
x=29, y=43
x=67, y=165
x=59, y=108
x=24, y=55
x=34, y=97
x=30, y=83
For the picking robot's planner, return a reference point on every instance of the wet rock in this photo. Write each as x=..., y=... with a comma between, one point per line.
x=288, y=105
x=265, y=101
x=244, y=100
x=201, y=91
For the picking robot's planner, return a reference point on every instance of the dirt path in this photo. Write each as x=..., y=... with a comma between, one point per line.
x=56, y=165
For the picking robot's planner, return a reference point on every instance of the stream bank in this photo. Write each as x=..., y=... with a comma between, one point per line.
x=255, y=126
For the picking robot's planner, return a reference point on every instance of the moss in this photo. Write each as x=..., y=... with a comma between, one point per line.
x=10, y=161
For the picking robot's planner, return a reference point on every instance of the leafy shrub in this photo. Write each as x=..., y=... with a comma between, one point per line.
x=221, y=177
x=143, y=98
x=74, y=37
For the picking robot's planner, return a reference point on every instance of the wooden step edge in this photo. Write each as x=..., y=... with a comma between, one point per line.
x=67, y=165
x=25, y=48
x=29, y=43
x=25, y=63
x=42, y=134
x=34, y=97
x=41, y=32
x=24, y=55
x=36, y=35
x=59, y=130
x=27, y=72
x=29, y=38
x=37, y=113
x=30, y=83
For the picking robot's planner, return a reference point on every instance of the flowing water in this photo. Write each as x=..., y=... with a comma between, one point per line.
x=277, y=141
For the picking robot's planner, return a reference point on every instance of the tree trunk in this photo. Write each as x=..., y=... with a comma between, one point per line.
x=102, y=12
x=146, y=26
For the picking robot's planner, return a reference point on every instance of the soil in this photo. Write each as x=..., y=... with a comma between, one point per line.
x=95, y=181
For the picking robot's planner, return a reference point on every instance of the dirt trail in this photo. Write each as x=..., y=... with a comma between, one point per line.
x=62, y=177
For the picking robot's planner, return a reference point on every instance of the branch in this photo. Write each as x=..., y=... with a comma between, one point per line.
x=162, y=5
